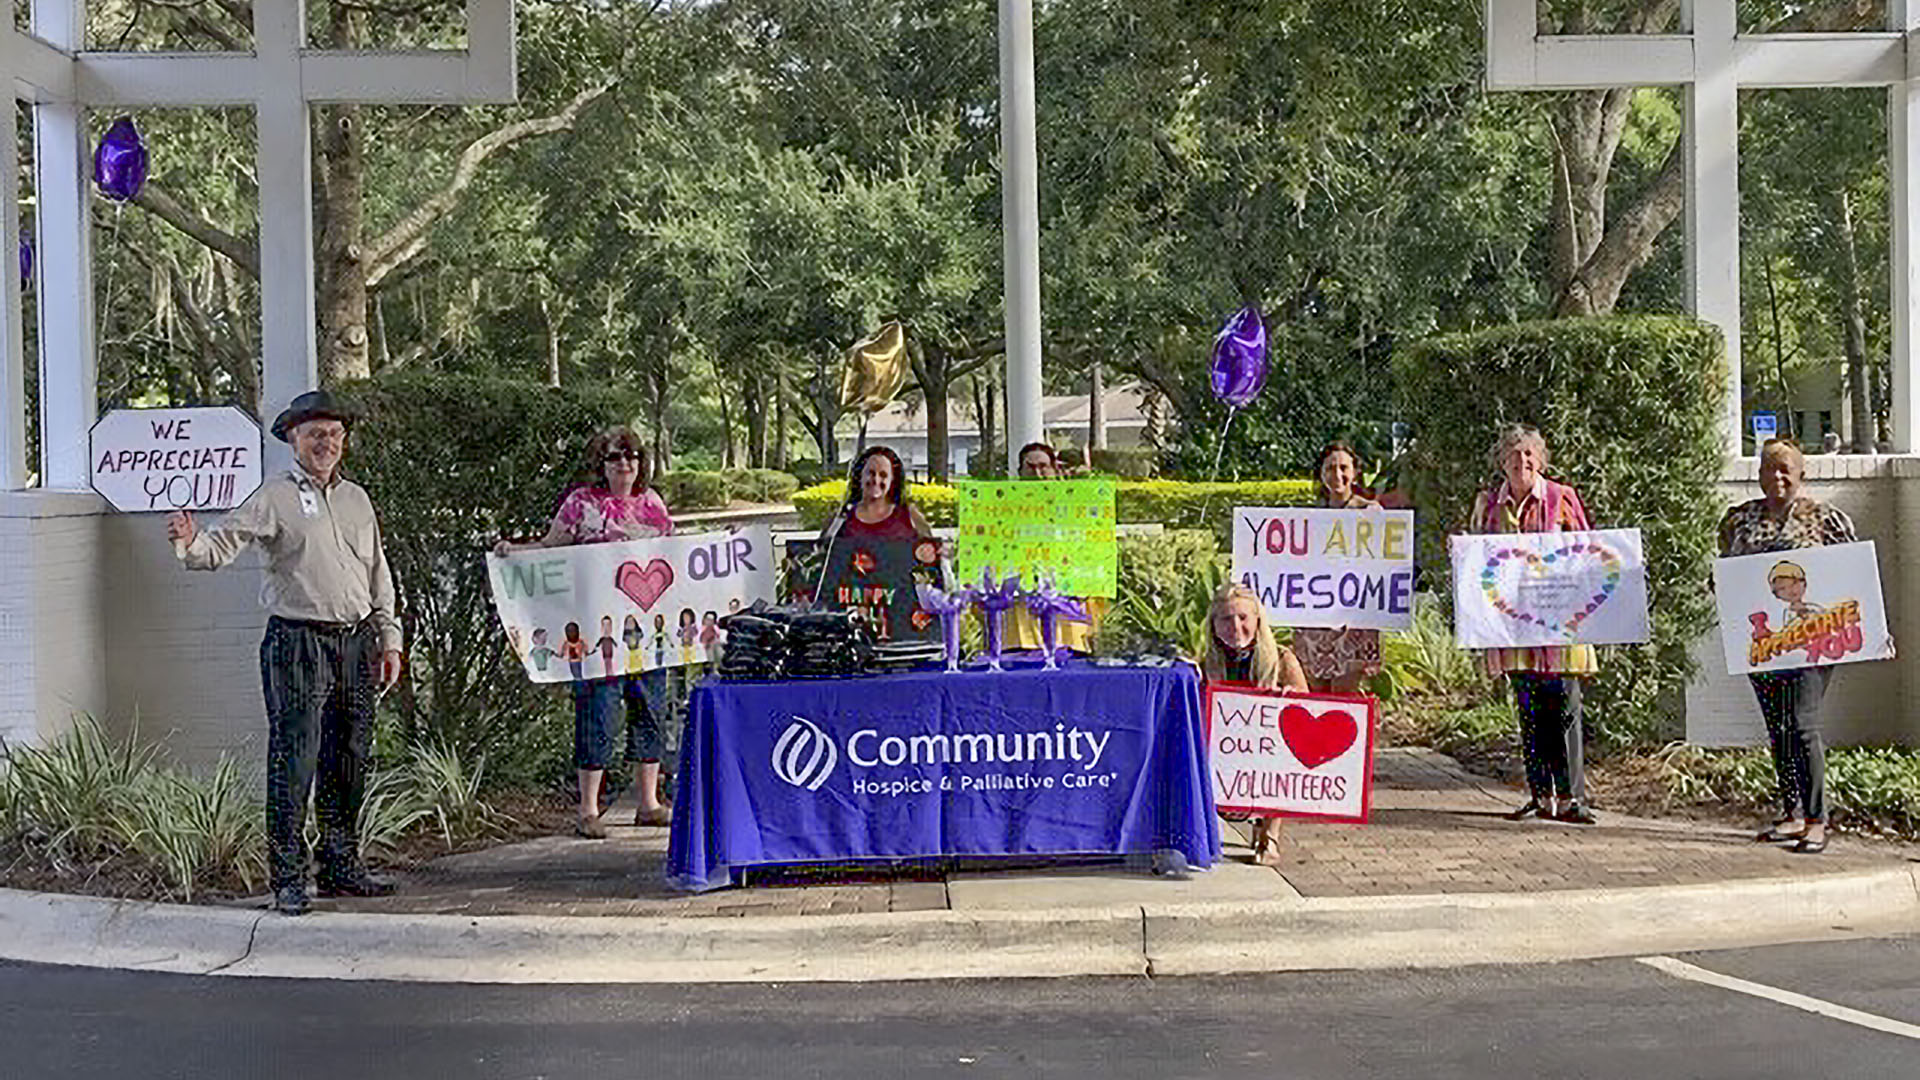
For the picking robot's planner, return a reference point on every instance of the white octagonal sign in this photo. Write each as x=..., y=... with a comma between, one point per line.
x=175, y=459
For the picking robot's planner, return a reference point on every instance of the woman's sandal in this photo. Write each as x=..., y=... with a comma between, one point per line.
x=1810, y=847
x=1532, y=809
x=1773, y=835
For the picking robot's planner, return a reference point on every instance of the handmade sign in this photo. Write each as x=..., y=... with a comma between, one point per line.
x=1295, y=755
x=1061, y=530
x=876, y=576
x=1315, y=567
x=175, y=459
x=1558, y=588
x=593, y=611
x=1801, y=608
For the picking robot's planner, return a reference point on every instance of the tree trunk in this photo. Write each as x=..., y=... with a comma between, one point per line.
x=553, y=342
x=753, y=406
x=933, y=369
x=341, y=276
x=1853, y=320
x=1096, y=411
x=779, y=440
x=990, y=420
x=1791, y=429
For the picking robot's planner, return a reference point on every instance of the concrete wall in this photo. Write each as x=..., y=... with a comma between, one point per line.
x=184, y=646
x=50, y=613
x=1867, y=703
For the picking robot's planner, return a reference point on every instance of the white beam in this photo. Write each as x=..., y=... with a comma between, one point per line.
x=1512, y=26
x=167, y=80
x=1582, y=63
x=493, y=72
x=1903, y=190
x=1803, y=61
x=69, y=387
x=402, y=77
x=40, y=72
x=287, y=324
x=13, y=383
x=1713, y=194
x=1020, y=227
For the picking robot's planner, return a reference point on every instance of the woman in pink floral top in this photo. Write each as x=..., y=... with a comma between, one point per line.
x=618, y=505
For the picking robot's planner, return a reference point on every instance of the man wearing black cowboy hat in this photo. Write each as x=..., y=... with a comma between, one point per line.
x=332, y=643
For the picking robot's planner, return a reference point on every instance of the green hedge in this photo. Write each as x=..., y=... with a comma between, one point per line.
x=692, y=490
x=1177, y=504
x=1630, y=408
x=454, y=462
x=1133, y=463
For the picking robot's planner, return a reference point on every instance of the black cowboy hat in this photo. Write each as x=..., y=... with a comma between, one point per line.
x=312, y=405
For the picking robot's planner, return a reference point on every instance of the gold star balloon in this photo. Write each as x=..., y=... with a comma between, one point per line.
x=876, y=370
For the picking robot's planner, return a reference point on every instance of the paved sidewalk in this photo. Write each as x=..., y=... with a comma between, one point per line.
x=1435, y=829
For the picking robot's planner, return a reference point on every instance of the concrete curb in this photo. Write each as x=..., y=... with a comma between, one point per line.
x=1161, y=939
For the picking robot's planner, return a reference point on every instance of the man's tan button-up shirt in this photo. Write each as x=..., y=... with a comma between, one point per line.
x=325, y=561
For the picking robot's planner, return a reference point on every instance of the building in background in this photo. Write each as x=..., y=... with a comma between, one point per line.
x=1065, y=417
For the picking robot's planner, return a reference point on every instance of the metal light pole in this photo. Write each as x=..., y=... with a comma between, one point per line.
x=1020, y=227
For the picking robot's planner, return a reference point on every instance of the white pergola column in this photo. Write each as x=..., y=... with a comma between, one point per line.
x=289, y=354
x=1020, y=227
x=13, y=381
x=1712, y=61
x=1713, y=192
x=62, y=177
x=1903, y=190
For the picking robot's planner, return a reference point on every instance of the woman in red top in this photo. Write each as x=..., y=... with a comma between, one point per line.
x=876, y=506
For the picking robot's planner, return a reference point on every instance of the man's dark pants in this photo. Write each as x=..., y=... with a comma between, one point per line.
x=321, y=682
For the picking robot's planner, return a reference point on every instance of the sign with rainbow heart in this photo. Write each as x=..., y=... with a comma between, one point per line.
x=593, y=611
x=1801, y=608
x=1295, y=755
x=1556, y=588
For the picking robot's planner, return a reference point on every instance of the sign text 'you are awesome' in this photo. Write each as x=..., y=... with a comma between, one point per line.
x=1319, y=567
x=1296, y=755
x=175, y=459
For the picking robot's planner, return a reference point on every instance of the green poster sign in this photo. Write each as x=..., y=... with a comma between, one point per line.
x=1058, y=529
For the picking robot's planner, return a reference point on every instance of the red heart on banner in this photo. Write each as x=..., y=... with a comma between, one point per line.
x=1316, y=740
x=644, y=585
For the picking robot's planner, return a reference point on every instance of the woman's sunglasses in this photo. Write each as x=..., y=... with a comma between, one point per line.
x=621, y=455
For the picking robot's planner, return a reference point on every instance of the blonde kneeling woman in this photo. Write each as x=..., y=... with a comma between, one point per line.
x=1241, y=649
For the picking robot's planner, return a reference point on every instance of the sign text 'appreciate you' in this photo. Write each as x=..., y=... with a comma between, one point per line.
x=1335, y=568
x=1300, y=755
x=175, y=459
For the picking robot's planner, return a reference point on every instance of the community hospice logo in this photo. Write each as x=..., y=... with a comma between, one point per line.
x=804, y=756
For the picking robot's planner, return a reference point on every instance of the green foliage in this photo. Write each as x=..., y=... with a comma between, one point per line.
x=1630, y=408
x=453, y=463
x=1167, y=584
x=1177, y=504
x=693, y=490
x=1424, y=660
x=1132, y=463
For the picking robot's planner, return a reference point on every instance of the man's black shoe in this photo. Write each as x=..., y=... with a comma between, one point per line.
x=357, y=883
x=290, y=900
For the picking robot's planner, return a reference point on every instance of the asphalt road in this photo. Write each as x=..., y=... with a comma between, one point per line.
x=1619, y=1018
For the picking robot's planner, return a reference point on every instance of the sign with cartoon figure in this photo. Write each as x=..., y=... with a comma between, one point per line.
x=1296, y=755
x=1549, y=588
x=1801, y=608
x=593, y=611
x=874, y=576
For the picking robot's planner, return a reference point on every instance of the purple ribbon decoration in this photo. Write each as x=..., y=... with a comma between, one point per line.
x=950, y=607
x=1050, y=606
x=994, y=600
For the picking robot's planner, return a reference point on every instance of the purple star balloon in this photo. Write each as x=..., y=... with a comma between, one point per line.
x=120, y=161
x=1240, y=359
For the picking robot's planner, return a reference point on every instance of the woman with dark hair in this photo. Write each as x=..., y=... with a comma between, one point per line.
x=618, y=504
x=1338, y=661
x=876, y=505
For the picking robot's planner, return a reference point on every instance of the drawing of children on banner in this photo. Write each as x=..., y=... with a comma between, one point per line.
x=540, y=652
x=607, y=646
x=1788, y=583
x=636, y=643
x=574, y=651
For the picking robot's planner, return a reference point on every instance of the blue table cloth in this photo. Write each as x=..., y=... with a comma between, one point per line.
x=1084, y=760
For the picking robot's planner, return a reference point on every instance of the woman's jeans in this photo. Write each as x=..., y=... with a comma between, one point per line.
x=600, y=704
x=1790, y=702
x=1550, y=735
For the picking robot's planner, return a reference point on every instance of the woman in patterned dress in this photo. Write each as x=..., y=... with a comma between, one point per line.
x=1338, y=661
x=1782, y=519
x=618, y=505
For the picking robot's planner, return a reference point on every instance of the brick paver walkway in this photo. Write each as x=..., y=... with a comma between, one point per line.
x=1435, y=829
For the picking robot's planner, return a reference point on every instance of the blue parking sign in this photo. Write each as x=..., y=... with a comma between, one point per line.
x=1765, y=426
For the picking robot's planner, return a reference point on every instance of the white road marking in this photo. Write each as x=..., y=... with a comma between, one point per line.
x=1680, y=969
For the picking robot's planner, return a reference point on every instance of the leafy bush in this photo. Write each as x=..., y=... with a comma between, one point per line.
x=1177, y=504
x=987, y=464
x=692, y=490
x=1132, y=463
x=453, y=463
x=1424, y=660
x=1630, y=408
x=1167, y=583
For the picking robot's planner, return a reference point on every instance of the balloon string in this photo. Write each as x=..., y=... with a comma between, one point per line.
x=106, y=283
x=1206, y=507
